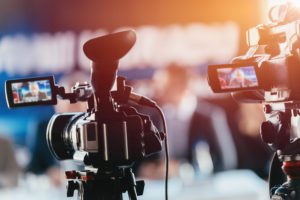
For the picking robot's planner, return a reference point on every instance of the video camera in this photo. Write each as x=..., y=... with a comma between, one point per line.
x=107, y=138
x=269, y=73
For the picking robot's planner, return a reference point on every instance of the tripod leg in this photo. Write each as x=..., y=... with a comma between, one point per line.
x=132, y=193
x=276, y=176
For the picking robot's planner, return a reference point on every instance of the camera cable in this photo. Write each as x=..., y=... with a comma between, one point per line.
x=141, y=100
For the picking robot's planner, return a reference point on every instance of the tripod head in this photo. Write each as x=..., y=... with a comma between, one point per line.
x=277, y=133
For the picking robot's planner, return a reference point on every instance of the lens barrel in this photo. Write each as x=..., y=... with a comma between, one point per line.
x=59, y=138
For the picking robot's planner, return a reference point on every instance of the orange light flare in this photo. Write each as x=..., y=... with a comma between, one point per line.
x=284, y=10
x=295, y=3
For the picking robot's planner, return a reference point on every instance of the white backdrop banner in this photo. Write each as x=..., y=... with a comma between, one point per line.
x=190, y=45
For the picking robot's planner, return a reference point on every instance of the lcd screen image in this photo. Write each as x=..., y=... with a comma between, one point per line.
x=235, y=78
x=31, y=91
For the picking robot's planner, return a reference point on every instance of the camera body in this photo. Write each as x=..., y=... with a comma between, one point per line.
x=268, y=72
x=116, y=140
x=112, y=133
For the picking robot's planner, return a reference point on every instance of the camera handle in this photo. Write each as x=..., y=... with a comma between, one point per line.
x=276, y=132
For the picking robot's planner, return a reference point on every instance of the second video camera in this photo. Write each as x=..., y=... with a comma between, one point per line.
x=269, y=71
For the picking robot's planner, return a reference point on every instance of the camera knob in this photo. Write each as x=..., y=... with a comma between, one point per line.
x=267, y=132
x=267, y=109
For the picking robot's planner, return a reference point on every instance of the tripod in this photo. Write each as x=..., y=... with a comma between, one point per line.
x=94, y=184
x=276, y=131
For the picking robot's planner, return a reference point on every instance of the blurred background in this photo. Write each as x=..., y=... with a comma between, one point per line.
x=210, y=134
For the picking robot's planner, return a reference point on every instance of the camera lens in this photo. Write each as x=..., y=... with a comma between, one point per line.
x=59, y=135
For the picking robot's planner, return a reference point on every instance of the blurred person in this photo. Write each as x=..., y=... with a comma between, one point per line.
x=34, y=92
x=257, y=153
x=9, y=169
x=244, y=122
x=189, y=121
x=42, y=162
x=250, y=118
x=238, y=79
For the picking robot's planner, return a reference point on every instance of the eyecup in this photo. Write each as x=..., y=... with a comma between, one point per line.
x=109, y=48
